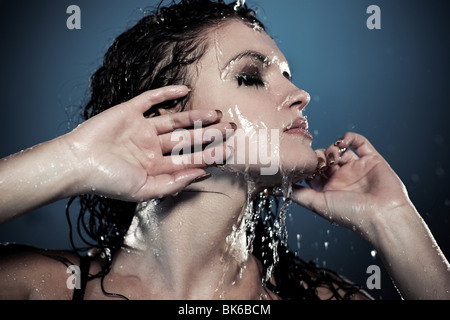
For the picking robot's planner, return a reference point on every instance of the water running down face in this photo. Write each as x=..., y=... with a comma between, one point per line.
x=245, y=75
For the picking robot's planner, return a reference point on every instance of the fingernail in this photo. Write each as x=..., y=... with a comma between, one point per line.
x=331, y=159
x=339, y=141
x=219, y=114
x=201, y=178
x=321, y=164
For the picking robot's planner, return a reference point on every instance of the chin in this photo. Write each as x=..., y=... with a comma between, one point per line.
x=298, y=160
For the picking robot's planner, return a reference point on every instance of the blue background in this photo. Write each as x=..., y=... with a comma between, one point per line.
x=390, y=85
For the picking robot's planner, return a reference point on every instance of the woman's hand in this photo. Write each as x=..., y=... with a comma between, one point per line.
x=353, y=189
x=121, y=154
x=118, y=153
x=361, y=192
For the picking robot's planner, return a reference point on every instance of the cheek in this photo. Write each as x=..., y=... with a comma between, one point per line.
x=244, y=110
x=249, y=117
x=250, y=110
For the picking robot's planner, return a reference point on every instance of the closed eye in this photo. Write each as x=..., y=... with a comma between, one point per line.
x=249, y=80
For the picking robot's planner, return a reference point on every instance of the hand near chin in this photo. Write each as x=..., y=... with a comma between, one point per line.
x=121, y=154
x=354, y=189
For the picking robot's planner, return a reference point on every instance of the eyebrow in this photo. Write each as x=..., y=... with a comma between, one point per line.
x=259, y=56
x=249, y=53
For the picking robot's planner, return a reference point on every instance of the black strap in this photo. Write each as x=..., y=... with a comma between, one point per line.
x=78, y=294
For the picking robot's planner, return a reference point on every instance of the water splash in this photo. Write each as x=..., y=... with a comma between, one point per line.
x=239, y=4
x=240, y=240
x=287, y=191
x=279, y=233
x=237, y=240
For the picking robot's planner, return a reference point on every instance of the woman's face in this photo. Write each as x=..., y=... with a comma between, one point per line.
x=245, y=75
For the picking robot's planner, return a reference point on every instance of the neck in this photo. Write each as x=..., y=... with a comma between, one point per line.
x=194, y=244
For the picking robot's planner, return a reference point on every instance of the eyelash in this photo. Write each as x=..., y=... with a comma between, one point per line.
x=249, y=80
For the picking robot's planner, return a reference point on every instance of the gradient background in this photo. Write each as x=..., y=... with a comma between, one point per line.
x=390, y=85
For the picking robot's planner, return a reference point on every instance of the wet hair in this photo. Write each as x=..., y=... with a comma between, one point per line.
x=157, y=52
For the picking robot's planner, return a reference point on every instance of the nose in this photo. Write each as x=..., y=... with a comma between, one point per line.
x=297, y=99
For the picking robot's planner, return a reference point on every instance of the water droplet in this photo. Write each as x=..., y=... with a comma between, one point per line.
x=373, y=253
x=325, y=244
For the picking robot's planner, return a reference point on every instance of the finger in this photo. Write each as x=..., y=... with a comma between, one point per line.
x=317, y=181
x=184, y=139
x=178, y=120
x=336, y=157
x=346, y=157
x=339, y=154
x=168, y=184
x=311, y=200
x=321, y=159
x=358, y=142
x=146, y=100
x=333, y=155
x=213, y=154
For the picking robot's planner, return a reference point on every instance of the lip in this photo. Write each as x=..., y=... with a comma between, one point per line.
x=298, y=126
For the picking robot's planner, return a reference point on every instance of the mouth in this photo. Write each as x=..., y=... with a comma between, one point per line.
x=300, y=127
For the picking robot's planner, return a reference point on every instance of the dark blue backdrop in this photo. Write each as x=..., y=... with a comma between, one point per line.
x=390, y=85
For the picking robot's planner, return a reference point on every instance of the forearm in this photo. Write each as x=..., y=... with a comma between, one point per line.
x=412, y=257
x=35, y=177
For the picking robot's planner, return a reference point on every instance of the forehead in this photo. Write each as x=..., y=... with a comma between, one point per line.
x=235, y=37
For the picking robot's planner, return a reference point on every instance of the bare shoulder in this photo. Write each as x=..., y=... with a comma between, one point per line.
x=31, y=273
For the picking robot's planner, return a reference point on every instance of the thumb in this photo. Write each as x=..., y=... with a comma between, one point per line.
x=311, y=200
x=169, y=184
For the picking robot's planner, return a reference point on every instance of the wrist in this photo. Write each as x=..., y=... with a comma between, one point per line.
x=36, y=177
x=393, y=226
x=411, y=255
x=72, y=166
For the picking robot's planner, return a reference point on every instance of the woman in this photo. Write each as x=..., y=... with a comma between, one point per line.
x=161, y=228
